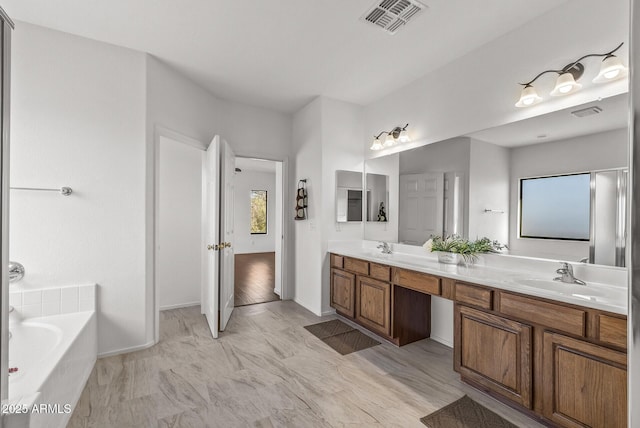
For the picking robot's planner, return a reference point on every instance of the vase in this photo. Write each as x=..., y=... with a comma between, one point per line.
x=449, y=258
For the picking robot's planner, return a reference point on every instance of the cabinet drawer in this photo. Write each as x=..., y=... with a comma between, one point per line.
x=357, y=266
x=551, y=315
x=381, y=272
x=612, y=330
x=417, y=281
x=337, y=261
x=473, y=296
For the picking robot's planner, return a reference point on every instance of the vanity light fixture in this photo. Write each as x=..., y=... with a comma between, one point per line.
x=611, y=69
x=395, y=136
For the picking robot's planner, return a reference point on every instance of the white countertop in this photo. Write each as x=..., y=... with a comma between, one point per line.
x=532, y=278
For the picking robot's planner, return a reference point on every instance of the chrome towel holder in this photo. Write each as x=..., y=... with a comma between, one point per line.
x=65, y=191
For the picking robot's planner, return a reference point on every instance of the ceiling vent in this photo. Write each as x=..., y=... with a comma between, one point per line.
x=392, y=15
x=587, y=111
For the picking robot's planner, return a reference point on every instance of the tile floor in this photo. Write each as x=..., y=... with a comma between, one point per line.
x=266, y=370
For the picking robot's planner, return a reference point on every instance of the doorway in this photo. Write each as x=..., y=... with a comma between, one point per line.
x=258, y=231
x=179, y=223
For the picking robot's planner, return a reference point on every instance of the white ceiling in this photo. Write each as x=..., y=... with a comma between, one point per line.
x=560, y=125
x=258, y=165
x=282, y=53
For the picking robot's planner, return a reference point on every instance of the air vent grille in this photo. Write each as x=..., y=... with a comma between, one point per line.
x=587, y=111
x=391, y=15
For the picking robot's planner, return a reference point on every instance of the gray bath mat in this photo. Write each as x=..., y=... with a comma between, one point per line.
x=341, y=337
x=465, y=413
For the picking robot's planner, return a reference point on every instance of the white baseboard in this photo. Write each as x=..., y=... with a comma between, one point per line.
x=179, y=305
x=445, y=342
x=329, y=312
x=319, y=314
x=126, y=350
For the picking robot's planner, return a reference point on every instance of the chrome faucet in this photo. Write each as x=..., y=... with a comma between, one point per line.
x=566, y=275
x=16, y=272
x=385, y=247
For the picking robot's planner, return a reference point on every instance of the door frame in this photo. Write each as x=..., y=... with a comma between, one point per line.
x=161, y=131
x=286, y=292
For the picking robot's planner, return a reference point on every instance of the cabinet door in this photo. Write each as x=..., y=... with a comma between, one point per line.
x=373, y=308
x=343, y=286
x=584, y=384
x=494, y=352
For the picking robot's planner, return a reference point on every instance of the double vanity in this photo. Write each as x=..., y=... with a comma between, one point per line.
x=556, y=351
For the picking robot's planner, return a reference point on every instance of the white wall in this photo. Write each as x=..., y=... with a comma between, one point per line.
x=326, y=138
x=78, y=120
x=245, y=182
x=488, y=189
x=307, y=146
x=86, y=114
x=342, y=130
x=479, y=90
x=179, y=241
x=600, y=151
x=177, y=103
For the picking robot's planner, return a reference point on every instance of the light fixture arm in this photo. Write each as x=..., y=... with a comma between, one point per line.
x=395, y=132
x=572, y=65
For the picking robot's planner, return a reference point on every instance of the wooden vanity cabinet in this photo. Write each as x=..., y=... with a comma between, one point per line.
x=373, y=307
x=564, y=363
x=583, y=384
x=495, y=353
x=343, y=292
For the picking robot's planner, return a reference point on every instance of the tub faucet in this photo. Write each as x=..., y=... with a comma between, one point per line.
x=385, y=247
x=16, y=271
x=566, y=275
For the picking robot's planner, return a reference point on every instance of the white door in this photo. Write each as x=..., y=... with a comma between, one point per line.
x=421, y=207
x=227, y=216
x=211, y=222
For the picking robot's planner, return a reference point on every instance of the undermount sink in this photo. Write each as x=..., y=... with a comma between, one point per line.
x=580, y=291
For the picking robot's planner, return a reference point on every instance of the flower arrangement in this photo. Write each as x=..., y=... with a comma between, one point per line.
x=459, y=247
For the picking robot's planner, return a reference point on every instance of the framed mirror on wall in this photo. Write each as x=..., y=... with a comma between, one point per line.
x=552, y=186
x=349, y=196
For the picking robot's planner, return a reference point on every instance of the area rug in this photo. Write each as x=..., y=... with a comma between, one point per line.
x=465, y=413
x=341, y=337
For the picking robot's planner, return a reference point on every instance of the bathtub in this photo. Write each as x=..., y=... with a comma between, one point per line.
x=54, y=356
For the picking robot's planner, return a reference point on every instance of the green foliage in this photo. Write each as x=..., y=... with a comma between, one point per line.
x=258, y=211
x=468, y=249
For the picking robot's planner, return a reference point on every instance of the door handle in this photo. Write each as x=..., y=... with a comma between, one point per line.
x=215, y=247
x=227, y=244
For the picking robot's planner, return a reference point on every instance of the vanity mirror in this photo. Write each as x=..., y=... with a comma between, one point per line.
x=552, y=186
x=377, y=186
x=349, y=198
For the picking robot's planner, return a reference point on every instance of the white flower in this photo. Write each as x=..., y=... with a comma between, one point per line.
x=428, y=245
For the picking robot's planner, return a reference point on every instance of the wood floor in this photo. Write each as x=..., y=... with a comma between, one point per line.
x=266, y=370
x=255, y=278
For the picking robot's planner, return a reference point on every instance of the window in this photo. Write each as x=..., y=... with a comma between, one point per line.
x=258, y=212
x=556, y=207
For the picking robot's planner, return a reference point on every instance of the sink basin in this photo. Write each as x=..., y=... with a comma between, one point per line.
x=586, y=292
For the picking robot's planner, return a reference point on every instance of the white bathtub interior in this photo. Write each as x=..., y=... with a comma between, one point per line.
x=53, y=354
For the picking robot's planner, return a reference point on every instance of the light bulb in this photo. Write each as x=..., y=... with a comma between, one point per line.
x=404, y=136
x=611, y=68
x=528, y=97
x=389, y=141
x=377, y=144
x=565, y=85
